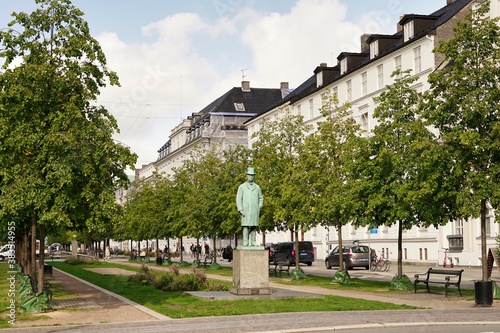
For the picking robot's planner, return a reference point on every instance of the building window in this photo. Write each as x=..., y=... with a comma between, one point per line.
x=380, y=76
x=239, y=107
x=420, y=253
x=364, y=83
x=455, y=242
x=324, y=100
x=425, y=253
x=343, y=66
x=417, y=59
x=364, y=121
x=459, y=227
x=299, y=110
x=349, y=90
x=406, y=253
x=336, y=91
x=311, y=108
x=374, y=49
x=397, y=64
x=409, y=31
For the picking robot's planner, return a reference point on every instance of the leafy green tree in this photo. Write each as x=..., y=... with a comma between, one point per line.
x=275, y=156
x=330, y=160
x=399, y=178
x=463, y=104
x=58, y=163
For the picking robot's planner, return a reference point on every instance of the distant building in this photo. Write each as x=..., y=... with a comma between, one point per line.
x=221, y=122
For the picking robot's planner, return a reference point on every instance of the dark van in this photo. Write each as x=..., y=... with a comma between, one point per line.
x=306, y=251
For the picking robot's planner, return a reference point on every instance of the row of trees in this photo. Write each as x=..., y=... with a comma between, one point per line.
x=432, y=158
x=59, y=166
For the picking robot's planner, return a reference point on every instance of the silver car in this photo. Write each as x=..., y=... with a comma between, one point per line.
x=354, y=256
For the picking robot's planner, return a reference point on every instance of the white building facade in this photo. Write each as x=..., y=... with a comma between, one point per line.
x=358, y=78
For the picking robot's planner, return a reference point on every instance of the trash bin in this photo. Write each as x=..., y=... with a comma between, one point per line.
x=483, y=291
x=159, y=261
x=47, y=270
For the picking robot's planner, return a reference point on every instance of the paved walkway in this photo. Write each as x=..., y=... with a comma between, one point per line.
x=101, y=306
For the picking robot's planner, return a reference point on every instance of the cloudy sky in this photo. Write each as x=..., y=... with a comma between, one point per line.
x=174, y=57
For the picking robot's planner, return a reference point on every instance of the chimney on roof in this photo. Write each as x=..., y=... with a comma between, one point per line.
x=245, y=85
x=399, y=27
x=364, y=44
x=284, y=85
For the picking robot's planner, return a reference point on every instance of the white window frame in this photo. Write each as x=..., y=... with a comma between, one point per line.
x=373, y=49
x=417, y=60
x=343, y=66
x=380, y=76
x=409, y=31
x=398, y=64
x=364, y=83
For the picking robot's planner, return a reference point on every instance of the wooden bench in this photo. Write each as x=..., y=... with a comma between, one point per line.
x=280, y=264
x=451, y=278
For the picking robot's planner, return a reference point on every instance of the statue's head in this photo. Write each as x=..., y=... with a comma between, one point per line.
x=250, y=174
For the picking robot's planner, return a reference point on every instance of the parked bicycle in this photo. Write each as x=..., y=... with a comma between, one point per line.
x=380, y=264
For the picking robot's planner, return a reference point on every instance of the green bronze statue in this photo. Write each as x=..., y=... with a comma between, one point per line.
x=249, y=202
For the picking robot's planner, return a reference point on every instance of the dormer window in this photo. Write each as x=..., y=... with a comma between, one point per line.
x=409, y=31
x=373, y=49
x=343, y=66
x=239, y=107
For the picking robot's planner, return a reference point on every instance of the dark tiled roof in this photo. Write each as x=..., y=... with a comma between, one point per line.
x=255, y=101
x=439, y=17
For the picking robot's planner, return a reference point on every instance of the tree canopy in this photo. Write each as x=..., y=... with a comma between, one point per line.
x=59, y=165
x=463, y=105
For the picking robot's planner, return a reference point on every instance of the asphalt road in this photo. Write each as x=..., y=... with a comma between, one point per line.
x=414, y=321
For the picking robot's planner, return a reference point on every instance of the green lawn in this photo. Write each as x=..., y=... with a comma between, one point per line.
x=179, y=305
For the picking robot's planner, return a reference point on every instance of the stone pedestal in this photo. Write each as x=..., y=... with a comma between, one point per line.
x=251, y=272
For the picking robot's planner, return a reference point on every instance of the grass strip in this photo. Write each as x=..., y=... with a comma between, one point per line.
x=179, y=305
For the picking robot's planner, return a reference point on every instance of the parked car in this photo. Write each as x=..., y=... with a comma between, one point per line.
x=306, y=251
x=354, y=256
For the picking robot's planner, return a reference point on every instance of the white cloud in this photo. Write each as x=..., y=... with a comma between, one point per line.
x=209, y=56
x=287, y=47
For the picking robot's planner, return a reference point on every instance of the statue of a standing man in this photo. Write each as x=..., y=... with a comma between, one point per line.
x=249, y=201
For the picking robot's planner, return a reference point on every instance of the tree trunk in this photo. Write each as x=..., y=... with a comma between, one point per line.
x=32, y=264
x=297, y=252
x=197, y=249
x=484, y=262
x=214, y=249
x=341, y=250
x=400, y=249
x=41, y=259
x=182, y=255
x=25, y=253
x=157, y=248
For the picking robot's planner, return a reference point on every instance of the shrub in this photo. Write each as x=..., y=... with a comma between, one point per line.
x=81, y=261
x=174, y=281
